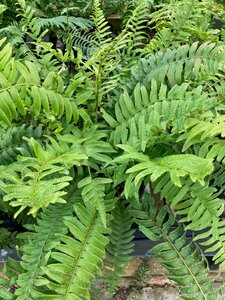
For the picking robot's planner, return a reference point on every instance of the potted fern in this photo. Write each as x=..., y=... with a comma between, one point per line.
x=77, y=146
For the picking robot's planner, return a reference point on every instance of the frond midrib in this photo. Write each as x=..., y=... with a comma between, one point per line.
x=93, y=223
x=30, y=283
x=166, y=237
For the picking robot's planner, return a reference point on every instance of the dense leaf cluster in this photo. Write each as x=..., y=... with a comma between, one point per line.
x=85, y=128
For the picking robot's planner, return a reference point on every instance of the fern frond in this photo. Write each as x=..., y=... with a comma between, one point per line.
x=177, y=166
x=200, y=209
x=106, y=60
x=179, y=22
x=196, y=62
x=203, y=130
x=39, y=244
x=93, y=192
x=143, y=116
x=8, y=281
x=23, y=91
x=198, y=205
x=183, y=261
x=86, y=41
x=62, y=22
x=136, y=29
x=214, y=241
x=12, y=143
x=102, y=30
x=89, y=141
x=28, y=183
x=120, y=245
x=78, y=258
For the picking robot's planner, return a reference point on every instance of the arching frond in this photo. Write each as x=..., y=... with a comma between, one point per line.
x=178, y=166
x=195, y=62
x=22, y=91
x=183, y=260
x=39, y=243
x=63, y=22
x=102, y=30
x=30, y=183
x=143, y=116
x=78, y=257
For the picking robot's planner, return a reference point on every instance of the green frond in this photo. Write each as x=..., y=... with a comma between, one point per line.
x=178, y=166
x=8, y=281
x=31, y=182
x=198, y=205
x=203, y=130
x=180, y=22
x=12, y=143
x=183, y=261
x=62, y=22
x=102, y=29
x=141, y=117
x=140, y=277
x=216, y=179
x=39, y=244
x=108, y=118
x=200, y=208
x=107, y=57
x=213, y=240
x=22, y=91
x=7, y=238
x=195, y=63
x=120, y=245
x=78, y=258
x=86, y=41
x=136, y=29
x=89, y=141
x=93, y=192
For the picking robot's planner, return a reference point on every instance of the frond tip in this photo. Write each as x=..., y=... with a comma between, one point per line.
x=94, y=193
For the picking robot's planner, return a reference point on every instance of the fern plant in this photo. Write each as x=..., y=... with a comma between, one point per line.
x=85, y=131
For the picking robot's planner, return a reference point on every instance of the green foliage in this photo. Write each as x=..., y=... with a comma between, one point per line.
x=181, y=259
x=12, y=142
x=193, y=63
x=11, y=269
x=62, y=22
x=40, y=242
x=81, y=7
x=29, y=183
x=179, y=22
x=94, y=192
x=78, y=257
x=145, y=115
x=7, y=12
x=141, y=275
x=120, y=245
x=180, y=165
x=84, y=128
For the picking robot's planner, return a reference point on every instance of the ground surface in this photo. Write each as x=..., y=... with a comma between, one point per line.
x=155, y=286
x=146, y=280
